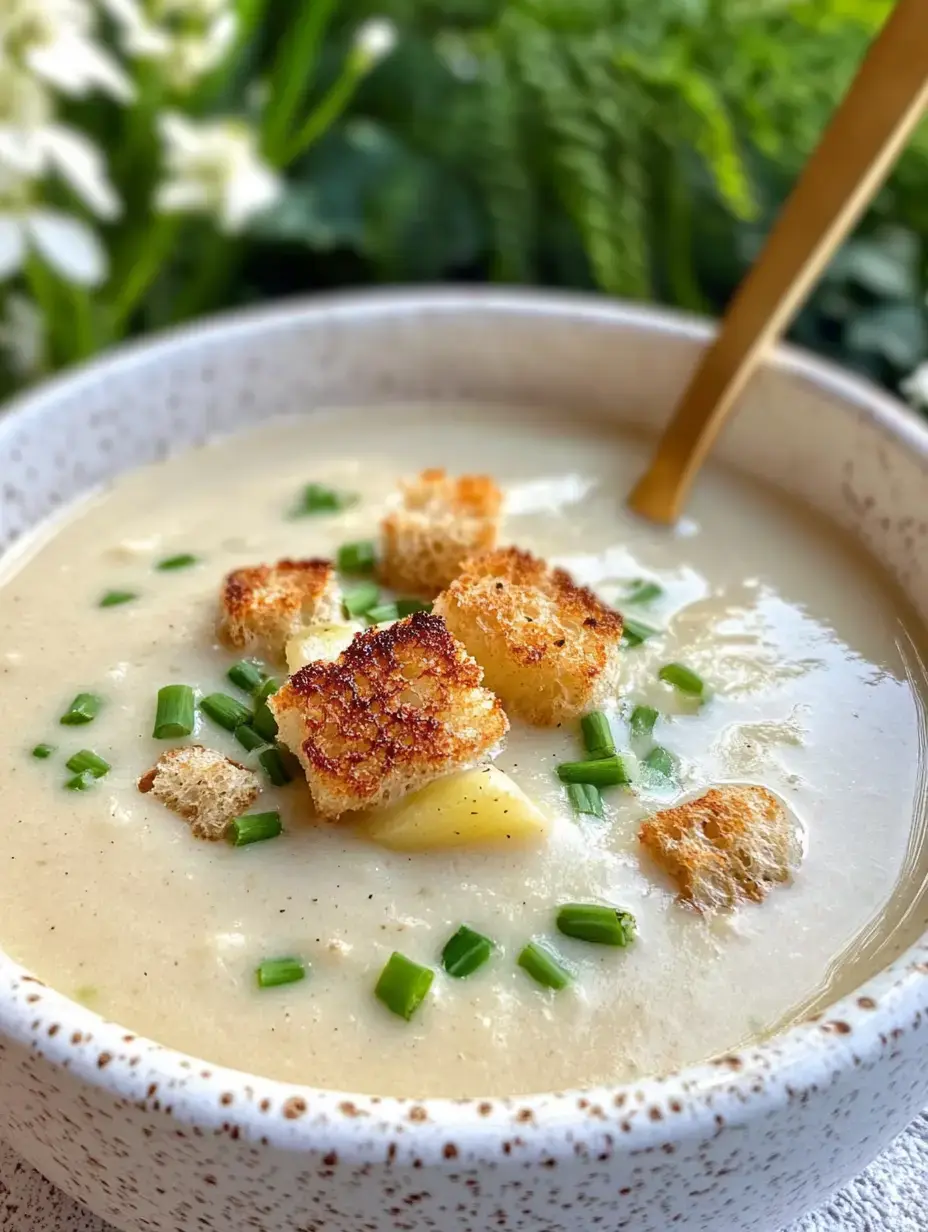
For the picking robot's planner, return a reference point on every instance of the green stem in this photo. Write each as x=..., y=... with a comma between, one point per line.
x=293, y=71
x=147, y=254
x=85, y=333
x=44, y=290
x=678, y=238
x=328, y=110
x=217, y=267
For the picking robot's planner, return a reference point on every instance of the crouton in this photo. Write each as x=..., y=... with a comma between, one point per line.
x=440, y=522
x=265, y=605
x=550, y=649
x=201, y=786
x=733, y=843
x=401, y=706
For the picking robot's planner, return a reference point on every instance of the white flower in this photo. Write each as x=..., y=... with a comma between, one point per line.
x=66, y=243
x=195, y=37
x=55, y=147
x=54, y=39
x=214, y=168
x=22, y=336
x=915, y=387
x=374, y=40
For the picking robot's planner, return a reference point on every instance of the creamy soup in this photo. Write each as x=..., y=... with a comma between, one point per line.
x=817, y=693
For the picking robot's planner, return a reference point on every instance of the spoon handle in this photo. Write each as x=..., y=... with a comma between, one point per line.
x=860, y=145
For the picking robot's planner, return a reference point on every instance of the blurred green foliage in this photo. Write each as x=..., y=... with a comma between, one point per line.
x=637, y=146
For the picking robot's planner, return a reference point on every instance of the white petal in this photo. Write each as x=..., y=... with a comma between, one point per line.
x=76, y=65
x=178, y=134
x=12, y=245
x=81, y=164
x=181, y=196
x=22, y=151
x=248, y=194
x=69, y=245
x=375, y=39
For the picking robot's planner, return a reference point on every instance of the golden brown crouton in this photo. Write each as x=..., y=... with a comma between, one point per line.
x=550, y=649
x=399, y=707
x=201, y=786
x=733, y=843
x=264, y=605
x=440, y=523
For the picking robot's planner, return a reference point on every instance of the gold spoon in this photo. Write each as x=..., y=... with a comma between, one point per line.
x=860, y=145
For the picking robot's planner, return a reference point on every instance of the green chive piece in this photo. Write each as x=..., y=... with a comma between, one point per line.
x=408, y=607
x=661, y=761
x=174, y=715
x=598, y=925
x=585, y=799
x=275, y=767
x=403, y=985
x=597, y=734
x=89, y=761
x=543, y=966
x=43, y=750
x=620, y=768
x=276, y=971
x=225, y=710
x=248, y=738
x=641, y=591
x=634, y=632
x=247, y=675
x=114, y=598
x=317, y=498
x=465, y=952
x=268, y=687
x=183, y=560
x=81, y=782
x=84, y=709
x=360, y=599
x=381, y=613
x=264, y=723
x=360, y=557
x=683, y=678
x=253, y=828
x=641, y=723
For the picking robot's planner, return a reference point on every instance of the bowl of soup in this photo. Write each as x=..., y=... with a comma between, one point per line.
x=399, y=834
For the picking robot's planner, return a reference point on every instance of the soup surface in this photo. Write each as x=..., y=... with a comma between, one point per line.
x=817, y=694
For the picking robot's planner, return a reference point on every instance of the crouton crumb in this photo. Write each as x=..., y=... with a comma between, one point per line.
x=203, y=787
x=440, y=522
x=401, y=706
x=263, y=606
x=733, y=843
x=548, y=647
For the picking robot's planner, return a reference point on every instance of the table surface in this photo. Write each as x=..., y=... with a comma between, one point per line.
x=891, y=1195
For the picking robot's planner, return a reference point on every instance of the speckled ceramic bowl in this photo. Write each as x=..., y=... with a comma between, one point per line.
x=159, y=1142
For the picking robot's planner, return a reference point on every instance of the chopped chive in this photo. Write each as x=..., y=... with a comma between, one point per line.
x=408, y=607
x=317, y=498
x=174, y=715
x=253, y=828
x=268, y=687
x=276, y=971
x=89, y=761
x=360, y=557
x=641, y=591
x=183, y=560
x=601, y=771
x=641, y=723
x=661, y=761
x=543, y=966
x=360, y=599
x=247, y=675
x=403, y=985
x=683, y=678
x=634, y=632
x=43, y=750
x=248, y=738
x=465, y=952
x=225, y=710
x=599, y=925
x=264, y=723
x=382, y=613
x=84, y=708
x=585, y=799
x=275, y=767
x=114, y=598
x=81, y=782
x=597, y=734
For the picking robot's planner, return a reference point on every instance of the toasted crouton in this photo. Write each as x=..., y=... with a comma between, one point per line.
x=735, y=842
x=201, y=786
x=440, y=523
x=401, y=706
x=550, y=649
x=265, y=605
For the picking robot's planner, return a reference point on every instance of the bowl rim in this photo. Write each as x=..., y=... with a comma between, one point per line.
x=856, y=1030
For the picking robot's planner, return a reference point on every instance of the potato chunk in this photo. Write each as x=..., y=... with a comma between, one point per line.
x=319, y=643
x=475, y=808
